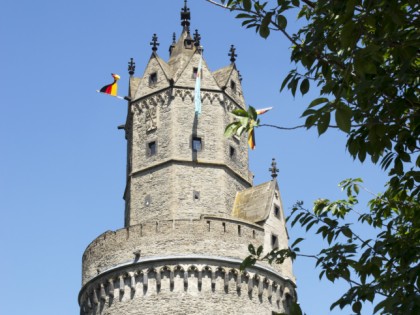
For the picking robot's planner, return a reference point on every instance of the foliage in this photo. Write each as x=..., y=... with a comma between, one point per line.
x=363, y=56
x=245, y=120
x=386, y=267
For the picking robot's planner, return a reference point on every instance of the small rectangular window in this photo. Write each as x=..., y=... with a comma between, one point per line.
x=151, y=148
x=195, y=71
x=233, y=86
x=231, y=152
x=196, y=144
x=277, y=211
x=153, y=78
x=274, y=241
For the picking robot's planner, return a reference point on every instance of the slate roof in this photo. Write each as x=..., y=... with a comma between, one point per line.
x=254, y=204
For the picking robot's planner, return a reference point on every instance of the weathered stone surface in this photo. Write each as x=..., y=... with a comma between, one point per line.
x=182, y=245
x=189, y=286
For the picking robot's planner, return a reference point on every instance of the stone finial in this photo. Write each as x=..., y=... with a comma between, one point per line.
x=273, y=169
x=197, y=38
x=131, y=67
x=232, y=54
x=154, y=43
x=171, y=48
x=185, y=17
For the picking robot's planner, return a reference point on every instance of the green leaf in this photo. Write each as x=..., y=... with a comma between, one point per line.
x=357, y=307
x=264, y=29
x=293, y=85
x=310, y=121
x=343, y=116
x=247, y=5
x=240, y=112
x=318, y=101
x=252, y=113
x=281, y=21
x=288, y=77
x=295, y=309
x=251, y=249
x=323, y=123
x=304, y=86
x=243, y=15
x=231, y=129
x=347, y=232
x=300, y=239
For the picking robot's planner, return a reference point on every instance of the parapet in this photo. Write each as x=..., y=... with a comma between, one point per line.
x=210, y=236
x=177, y=285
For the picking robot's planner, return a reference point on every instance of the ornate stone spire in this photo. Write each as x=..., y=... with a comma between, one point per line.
x=173, y=44
x=273, y=169
x=197, y=38
x=154, y=43
x=197, y=43
x=232, y=54
x=185, y=17
x=131, y=67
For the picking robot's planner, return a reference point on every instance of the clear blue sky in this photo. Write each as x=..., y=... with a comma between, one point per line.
x=62, y=161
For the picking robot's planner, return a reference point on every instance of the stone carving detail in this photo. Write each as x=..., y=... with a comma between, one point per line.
x=229, y=105
x=184, y=94
x=212, y=96
x=253, y=282
x=149, y=106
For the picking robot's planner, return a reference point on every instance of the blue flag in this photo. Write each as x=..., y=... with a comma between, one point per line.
x=197, y=93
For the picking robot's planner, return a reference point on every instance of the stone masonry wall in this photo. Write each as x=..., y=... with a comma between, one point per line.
x=176, y=171
x=186, y=287
x=211, y=237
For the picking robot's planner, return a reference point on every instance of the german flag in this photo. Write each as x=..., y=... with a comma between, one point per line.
x=251, y=139
x=112, y=88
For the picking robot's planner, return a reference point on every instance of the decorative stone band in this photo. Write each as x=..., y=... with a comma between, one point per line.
x=247, y=180
x=162, y=97
x=186, y=273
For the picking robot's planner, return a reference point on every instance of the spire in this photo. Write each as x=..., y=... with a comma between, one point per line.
x=273, y=169
x=197, y=39
x=232, y=54
x=171, y=48
x=131, y=67
x=154, y=43
x=185, y=17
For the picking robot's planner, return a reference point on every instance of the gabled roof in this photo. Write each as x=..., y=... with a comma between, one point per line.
x=180, y=56
x=222, y=75
x=254, y=204
x=141, y=87
x=165, y=67
x=134, y=85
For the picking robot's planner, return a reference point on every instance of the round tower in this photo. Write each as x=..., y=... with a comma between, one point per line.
x=191, y=209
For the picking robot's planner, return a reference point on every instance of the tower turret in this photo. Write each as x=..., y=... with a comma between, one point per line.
x=170, y=148
x=191, y=210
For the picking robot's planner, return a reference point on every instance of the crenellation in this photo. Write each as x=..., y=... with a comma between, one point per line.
x=183, y=278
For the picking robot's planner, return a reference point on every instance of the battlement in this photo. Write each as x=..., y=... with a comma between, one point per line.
x=208, y=236
x=146, y=283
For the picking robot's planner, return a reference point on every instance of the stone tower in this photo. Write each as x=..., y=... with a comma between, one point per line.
x=190, y=207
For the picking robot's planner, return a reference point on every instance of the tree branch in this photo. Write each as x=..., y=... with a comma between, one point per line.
x=300, y=126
